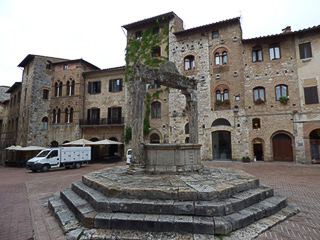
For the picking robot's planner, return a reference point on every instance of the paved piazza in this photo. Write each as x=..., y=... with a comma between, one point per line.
x=24, y=196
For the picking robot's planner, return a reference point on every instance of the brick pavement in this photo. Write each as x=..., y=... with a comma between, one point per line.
x=24, y=213
x=300, y=183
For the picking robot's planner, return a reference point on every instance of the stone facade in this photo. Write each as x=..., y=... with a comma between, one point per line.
x=257, y=97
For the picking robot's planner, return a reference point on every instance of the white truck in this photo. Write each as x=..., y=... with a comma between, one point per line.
x=59, y=157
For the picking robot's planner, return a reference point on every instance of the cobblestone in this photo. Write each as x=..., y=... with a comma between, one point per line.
x=24, y=195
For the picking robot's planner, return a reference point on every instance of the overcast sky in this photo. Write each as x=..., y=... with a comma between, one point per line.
x=91, y=29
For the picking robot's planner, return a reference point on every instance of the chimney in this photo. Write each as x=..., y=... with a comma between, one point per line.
x=287, y=29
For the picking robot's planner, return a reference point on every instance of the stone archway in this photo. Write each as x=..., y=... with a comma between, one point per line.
x=282, y=147
x=166, y=75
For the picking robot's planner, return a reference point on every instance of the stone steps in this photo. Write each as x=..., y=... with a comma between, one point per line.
x=215, y=201
x=174, y=221
x=102, y=203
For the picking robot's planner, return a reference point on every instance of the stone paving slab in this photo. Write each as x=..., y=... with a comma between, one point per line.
x=208, y=184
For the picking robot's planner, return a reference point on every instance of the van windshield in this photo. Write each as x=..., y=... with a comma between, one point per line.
x=43, y=153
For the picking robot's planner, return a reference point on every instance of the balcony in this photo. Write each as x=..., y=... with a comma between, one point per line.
x=101, y=122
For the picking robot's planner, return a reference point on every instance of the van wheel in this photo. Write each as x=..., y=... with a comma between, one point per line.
x=77, y=165
x=45, y=168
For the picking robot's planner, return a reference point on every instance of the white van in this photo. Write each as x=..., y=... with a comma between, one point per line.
x=59, y=157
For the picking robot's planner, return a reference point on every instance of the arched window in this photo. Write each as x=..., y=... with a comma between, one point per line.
x=70, y=87
x=56, y=116
x=56, y=90
x=224, y=57
x=71, y=115
x=281, y=91
x=220, y=56
x=217, y=59
x=44, y=123
x=220, y=122
x=67, y=116
x=222, y=95
x=259, y=93
x=225, y=94
x=154, y=138
x=218, y=95
x=54, y=144
x=60, y=89
x=189, y=63
x=156, y=110
x=256, y=123
x=186, y=128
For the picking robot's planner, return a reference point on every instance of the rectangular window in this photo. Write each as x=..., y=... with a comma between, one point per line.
x=257, y=54
x=215, y=34
x=274, y=52
x=115, y=85
x=93, y=116
x=65, y=67
x=94, y=87
x=305, y=50
x=45, y=94
x=114, y=115
x=311, y=95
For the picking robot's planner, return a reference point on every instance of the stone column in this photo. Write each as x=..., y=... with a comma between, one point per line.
x=139, y=92
x=192, y=103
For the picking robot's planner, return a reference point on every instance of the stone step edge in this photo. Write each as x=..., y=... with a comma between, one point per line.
x=249, y=232
x=221, y=225
x=200, y=208
x=112, y=190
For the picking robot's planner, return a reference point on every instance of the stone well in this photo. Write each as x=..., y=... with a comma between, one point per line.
x=172, y=158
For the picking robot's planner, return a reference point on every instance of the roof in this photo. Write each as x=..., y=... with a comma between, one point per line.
x=30, y=57
x=105, y=70
x=14, y=86
x=76, y=60
x=148, y=21
x=284, y=34
x=209, y=26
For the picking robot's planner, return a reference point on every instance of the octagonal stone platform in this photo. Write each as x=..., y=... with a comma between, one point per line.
x=183, y=206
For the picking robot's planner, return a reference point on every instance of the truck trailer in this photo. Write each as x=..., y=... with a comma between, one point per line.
x=59, y=157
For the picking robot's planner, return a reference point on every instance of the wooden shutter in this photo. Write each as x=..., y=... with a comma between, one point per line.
x=110, y=85
x=311, y=95
x=99, y=87
x=88, y=115
x=120, y=87
x=89, y=87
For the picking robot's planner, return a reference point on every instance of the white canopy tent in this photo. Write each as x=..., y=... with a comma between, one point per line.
x=106, y=142
x=79, y=142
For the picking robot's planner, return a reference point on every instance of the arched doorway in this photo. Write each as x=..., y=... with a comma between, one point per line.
x=314, y=138
x=113, y=148
x=95, y=150
x=54, y=144
x=282, y=148
x=154, y=138
x=221, y=145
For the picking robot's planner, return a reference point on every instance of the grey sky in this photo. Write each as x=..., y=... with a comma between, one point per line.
x=91, y=30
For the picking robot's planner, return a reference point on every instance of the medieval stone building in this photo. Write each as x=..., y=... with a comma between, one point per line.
x=257, y=97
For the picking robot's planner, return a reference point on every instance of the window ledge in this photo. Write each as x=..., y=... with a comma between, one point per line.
x=306, y=59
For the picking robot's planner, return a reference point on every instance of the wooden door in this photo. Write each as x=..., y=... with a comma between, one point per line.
x=282, y=148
